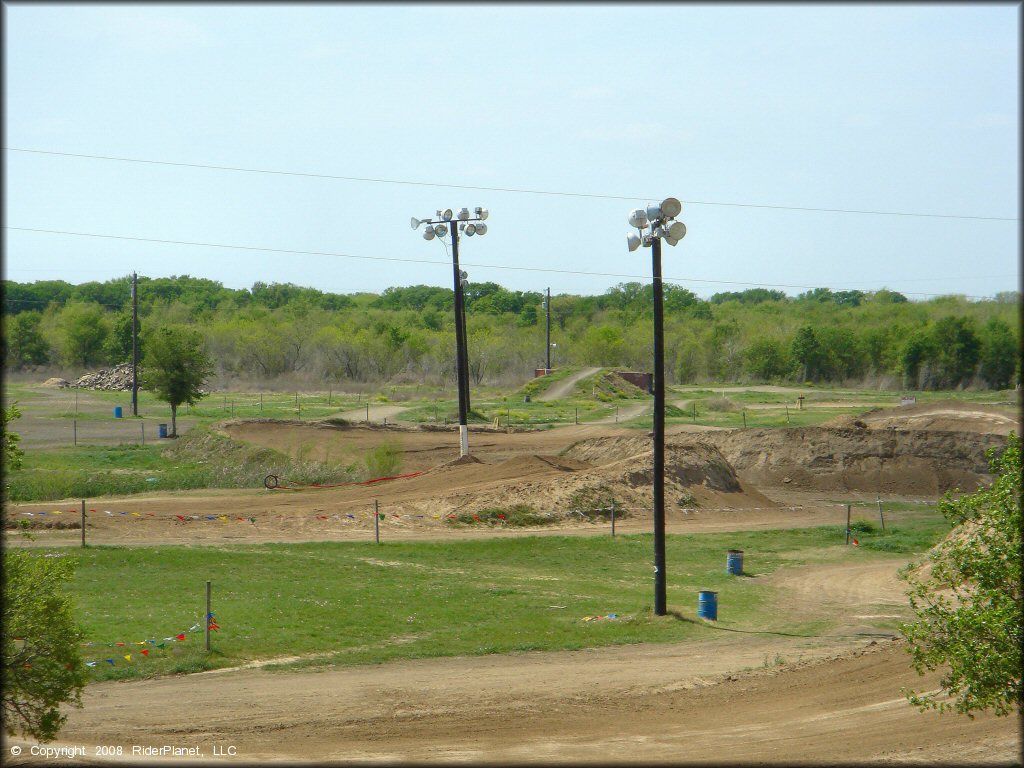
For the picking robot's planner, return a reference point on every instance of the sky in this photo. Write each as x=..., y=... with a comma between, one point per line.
x=350, y=119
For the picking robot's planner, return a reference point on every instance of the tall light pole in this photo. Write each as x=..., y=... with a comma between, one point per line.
x=439, y=227
x=659, y=218
x=135, y=344
x=547, y=306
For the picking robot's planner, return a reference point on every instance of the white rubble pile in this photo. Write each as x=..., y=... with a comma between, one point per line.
x=118, y=378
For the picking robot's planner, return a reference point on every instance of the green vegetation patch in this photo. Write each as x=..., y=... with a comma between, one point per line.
x=355, y=602
x=199, y=459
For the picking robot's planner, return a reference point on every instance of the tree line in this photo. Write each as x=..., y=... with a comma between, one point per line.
x=406, y=334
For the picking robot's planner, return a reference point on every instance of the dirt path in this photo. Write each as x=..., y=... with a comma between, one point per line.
x=625, y=414
x=375, y=412
x=564, y=388
x=768, y=699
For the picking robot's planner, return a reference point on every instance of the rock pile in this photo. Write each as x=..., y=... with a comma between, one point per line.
x=118, y=378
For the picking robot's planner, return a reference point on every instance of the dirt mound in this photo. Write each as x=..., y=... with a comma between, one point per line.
x=696, y=474
x=56, y=382
x=945, y=416
x=927, y=462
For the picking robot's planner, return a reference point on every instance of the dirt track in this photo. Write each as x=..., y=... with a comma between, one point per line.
x=745, y=697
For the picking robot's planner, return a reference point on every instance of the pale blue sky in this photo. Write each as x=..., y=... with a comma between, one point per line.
x=911, y=109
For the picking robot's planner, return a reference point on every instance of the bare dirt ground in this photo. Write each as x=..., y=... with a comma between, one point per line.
x=748, y=696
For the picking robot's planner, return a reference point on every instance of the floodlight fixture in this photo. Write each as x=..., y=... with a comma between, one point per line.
x=481, y=228
x=653, y=212
x=447, y=214
x=428, y=233
x=481, y=213
x=671, y=207
x=441, y=230
x=633, y=241
x=463, y=274
x=470, y=230
x=638, y=218
x=464, y=214
x=676, y=231
x=414, y=222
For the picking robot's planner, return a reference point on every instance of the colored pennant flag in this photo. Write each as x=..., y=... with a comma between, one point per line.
x=180, y=637
x=109, y=661
x=856, y=543
x=214, y=625
x=180, y=518
x=145, y=652
x=119, y=645
x=91, y=663
x=128, y=657
x=136, y=514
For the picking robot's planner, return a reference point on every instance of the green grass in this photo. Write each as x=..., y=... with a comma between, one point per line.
x=366, y=603
x=199, y=459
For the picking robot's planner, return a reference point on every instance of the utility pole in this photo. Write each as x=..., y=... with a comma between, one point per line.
x=547, y=305
x=135, y=344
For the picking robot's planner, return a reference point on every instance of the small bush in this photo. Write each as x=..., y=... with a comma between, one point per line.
x=517, y=516
x=721, y=404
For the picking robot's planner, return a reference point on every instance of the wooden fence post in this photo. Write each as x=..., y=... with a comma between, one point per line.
x=83, y=522
x=209, y=617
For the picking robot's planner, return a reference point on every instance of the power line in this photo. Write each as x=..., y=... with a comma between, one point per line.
x=406, y=182
x=332, y=254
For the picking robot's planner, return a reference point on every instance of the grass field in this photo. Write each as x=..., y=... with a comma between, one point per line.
x=364, y=603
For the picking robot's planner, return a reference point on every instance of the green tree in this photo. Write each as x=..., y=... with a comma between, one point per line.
x=11, y=457
x=81, y=330
x=967, y=598
x=24, y=343
x=916, y=351
x=957, y=349
x=42, y=663
x=176, y=367
x=766, y=359
x=999, y=354
x=118, y=346
x=806, y=352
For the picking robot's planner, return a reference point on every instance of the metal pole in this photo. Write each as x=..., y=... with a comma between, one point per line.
x=142, y=426
x=376, y=522
x=367, y=411
x=548, y=347
x=208, y=617
x=613, y=518
x=847, y=523
x=74, y=426
x=744, y=419
x=83, y=522
x=135, y=344
x=660, y=601
x=462, y=364
x=881, y=518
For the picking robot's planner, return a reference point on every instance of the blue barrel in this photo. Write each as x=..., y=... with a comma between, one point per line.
x=734, y=562
x=161, y=430
x=117, y=411
x=707, y=605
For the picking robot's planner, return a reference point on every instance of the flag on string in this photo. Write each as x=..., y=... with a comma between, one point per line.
x=180, y=637
x=128, y=657
x=145, y=652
